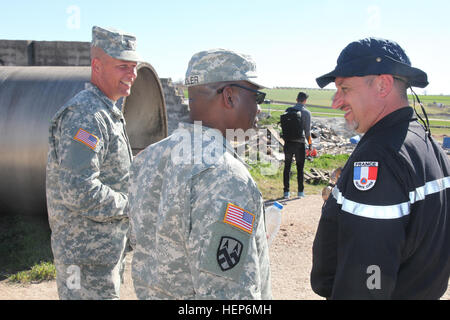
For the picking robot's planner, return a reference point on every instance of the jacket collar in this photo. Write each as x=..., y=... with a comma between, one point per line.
x=110, y=104
x=393, y=119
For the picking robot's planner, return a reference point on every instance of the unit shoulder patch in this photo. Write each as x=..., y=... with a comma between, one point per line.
x=365, y=174
x=229, y=252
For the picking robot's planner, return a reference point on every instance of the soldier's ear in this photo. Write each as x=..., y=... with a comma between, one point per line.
x=228, y=98
x=385, y=84
x=96, y=65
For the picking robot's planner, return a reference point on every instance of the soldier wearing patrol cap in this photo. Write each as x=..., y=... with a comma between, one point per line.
x=196, y=212
x=384, y=232
x=87, y=174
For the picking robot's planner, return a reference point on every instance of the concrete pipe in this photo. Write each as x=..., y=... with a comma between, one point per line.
x=30, y=96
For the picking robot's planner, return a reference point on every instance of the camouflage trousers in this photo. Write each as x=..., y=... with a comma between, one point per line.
x=89, y=282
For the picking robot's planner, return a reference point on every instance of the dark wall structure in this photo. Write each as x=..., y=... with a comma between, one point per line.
x=44, y=53
x=15, y=52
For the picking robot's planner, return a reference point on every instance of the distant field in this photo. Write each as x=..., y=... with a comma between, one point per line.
x=316, y=97
x=324, y=98
x=434, y=99
x=312, y=109
x=277, y=110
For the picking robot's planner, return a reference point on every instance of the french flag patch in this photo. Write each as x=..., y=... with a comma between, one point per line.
x=365, y=174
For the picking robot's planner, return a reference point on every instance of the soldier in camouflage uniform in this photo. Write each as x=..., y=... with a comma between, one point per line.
x=87, y=174
x=196, y=212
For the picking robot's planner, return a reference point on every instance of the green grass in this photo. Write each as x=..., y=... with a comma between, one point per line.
x=431, y=99
x=25, y=249
x=433, y=112
x=439, y=123
x=316, y=96
x=440, y=133
x=327, y=162
x=278, y=107
x=276, y=111
x=323, y=97
x=273, y=120
x=39, y=272
x=271, y=186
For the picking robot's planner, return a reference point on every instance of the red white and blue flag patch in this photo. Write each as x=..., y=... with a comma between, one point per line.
x=239, y=218
x=365, y=174
x=86, y=138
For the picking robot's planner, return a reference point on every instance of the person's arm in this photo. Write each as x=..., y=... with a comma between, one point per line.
x=80, y=185
x=306, y=118
x=229, y=262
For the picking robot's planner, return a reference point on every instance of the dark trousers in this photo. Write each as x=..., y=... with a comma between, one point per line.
x=290, y=149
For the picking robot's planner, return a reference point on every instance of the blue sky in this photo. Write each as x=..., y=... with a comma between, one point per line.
x=291, y=41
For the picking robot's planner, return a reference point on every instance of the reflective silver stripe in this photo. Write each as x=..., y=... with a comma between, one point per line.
x=393, y=211
x=429, y=188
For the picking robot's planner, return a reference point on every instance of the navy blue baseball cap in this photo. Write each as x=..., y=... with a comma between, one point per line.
x=373, y=56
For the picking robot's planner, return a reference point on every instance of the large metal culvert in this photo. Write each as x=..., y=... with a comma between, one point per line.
x=30, y=96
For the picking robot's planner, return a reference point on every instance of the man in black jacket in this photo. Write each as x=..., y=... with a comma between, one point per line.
x=384, y=232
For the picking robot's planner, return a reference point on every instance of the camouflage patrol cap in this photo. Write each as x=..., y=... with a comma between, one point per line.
x=219, y=65
x=117, y=44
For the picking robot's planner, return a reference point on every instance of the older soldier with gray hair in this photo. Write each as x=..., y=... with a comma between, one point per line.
x=87, y=174
x=196, y=212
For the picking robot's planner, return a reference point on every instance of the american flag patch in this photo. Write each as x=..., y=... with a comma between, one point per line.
x=239, y=218
x=85, y=137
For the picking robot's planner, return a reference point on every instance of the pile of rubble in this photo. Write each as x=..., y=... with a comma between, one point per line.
x=316, y=176
x=329, y=136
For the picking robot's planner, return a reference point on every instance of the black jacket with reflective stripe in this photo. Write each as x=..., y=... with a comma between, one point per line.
x=388, y=237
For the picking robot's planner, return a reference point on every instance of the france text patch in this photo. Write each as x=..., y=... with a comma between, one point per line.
x=365, y=174
x=239, y=218
x=86, y=138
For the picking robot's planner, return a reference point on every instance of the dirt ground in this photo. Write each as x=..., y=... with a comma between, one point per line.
x=290, y=259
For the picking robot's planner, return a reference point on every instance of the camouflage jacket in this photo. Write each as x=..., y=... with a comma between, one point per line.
x=87, y=180
x=197, y=216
